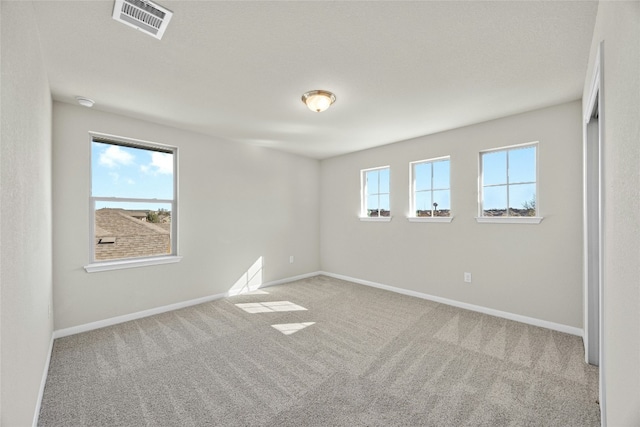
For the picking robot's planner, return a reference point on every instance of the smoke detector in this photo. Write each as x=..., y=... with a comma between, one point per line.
x=85, y=102
x=144, y=15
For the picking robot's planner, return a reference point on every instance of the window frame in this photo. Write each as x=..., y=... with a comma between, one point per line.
x=508, y=219
x=363, y=195
x=412, y=217
x=122, y=263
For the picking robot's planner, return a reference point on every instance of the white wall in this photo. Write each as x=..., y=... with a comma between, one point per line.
x=236, y=203
x=530, y=270
x=618, y=24
x=25, y=213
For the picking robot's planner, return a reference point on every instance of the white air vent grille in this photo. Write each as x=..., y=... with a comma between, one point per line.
x=146, y=16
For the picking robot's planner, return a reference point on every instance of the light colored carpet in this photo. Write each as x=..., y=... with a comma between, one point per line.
x=357, y=356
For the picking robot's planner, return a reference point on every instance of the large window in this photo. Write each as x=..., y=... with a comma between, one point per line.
x=133, y=200
x=375, y=192
x=430, y=188
x=508, y=186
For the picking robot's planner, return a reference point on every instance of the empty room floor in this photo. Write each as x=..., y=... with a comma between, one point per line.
x=320, y=352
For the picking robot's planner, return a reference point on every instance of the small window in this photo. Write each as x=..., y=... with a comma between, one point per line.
x=133, y=200
x=508, y=182
x=375, y=193
x=430, y=188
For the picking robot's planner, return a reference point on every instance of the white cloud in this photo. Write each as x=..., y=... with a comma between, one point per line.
x=160, y=163
x=115, y=156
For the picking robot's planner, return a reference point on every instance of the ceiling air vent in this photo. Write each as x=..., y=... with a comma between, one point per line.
x=146, y=16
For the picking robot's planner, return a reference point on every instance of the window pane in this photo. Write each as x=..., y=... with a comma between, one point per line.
x=118, y=171
x=522, y=200
x=443, y=200
x=494, y=168
x=384, y=180
x=494, y=201
x=384, y=205
x=522, y=165
x=131, y=230
x=422, y=173
x=423, y=203
x=372, y=182
x=441, y=174
x=372, y=204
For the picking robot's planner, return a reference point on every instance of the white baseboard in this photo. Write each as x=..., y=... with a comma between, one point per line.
x=138, y=315
x=43, y=382
x=133, y=316
x=145, y=313
x=497, y=313
x=290, y=279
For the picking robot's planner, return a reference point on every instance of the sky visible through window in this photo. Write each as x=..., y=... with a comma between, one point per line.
x=520, y=174
x=127, y=172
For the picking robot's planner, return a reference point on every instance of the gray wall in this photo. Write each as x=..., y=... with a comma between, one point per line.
x=530, y=270
x=25, y=213
x=618, y=24
x=236, y=203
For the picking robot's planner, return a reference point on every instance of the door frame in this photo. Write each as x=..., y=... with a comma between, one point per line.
x=593, y=226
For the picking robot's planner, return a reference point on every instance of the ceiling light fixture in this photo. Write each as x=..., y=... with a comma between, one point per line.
x=85, y=102
x=318, y=100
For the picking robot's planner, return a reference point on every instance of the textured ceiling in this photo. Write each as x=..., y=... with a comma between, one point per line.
x=237, y=70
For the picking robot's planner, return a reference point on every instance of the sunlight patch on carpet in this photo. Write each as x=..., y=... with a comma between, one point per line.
x=268, y=307
x=292, y=328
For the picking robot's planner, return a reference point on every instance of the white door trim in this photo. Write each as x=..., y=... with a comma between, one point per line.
x=593, y=226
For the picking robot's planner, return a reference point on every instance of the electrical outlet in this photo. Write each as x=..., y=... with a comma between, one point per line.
x=467, y=277
x=291, y=259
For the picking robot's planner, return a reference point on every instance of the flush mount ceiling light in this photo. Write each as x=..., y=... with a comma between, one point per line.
x=85, y=102
x=318, y=100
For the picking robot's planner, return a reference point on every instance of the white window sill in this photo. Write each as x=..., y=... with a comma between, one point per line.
x=510, y=220
x=130, y=263
x=430, y=219
x=376, y=218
